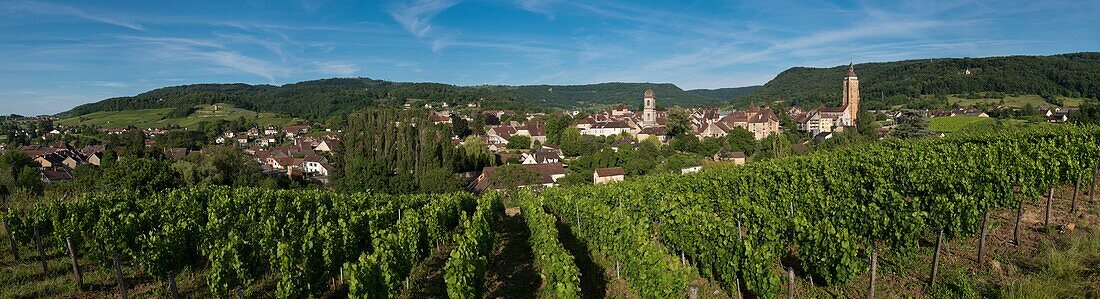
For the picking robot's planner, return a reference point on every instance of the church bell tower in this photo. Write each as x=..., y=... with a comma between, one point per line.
x=851, y=94
x=649, y=110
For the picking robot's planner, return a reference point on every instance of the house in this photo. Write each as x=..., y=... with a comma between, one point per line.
x=60, y=158
x=611, y=128
x=658, y=132
x=270, y=130
x=177, y=153
x=541, y=157
x=1057, y=117
x=692, y=169
x=607, y=175
x=327, y=145
x=282, y=162
x=317, y=165
x=94, y=158
x=737, y=158
x=295, y=130
x=54, y=176
x=621, y=110
x=548, y=175
x=498, y=135
x=502, y=159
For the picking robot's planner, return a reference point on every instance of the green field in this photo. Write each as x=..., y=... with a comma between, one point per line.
x=964, y=123
x=951, y=124
x=155, y=118
x=1013, y=101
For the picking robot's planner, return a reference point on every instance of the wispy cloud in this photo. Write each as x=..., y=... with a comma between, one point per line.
x=416, y=17
x=211, y=52
x=538, y=6
x=336, y=68
x=109, y=84
x=242, y=63
x=43, y=8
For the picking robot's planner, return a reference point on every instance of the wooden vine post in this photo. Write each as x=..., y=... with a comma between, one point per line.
x=1092, y=183
x=790, y=282
x=118, y=276
x=41, y=251
x=1016, y=228
x=76, y=266
x=874, y=273
x=11, y=236
x=1076, y=187
x=740, y=238
x=1050, y=202
x=172, y=284
x=981, y=241
x=936, y=258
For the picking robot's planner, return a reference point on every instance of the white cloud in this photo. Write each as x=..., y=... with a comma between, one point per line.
x=211, y=52
x=242, y=63
x=109, y=84
x=65, y=10
x=336, y=68
x=537, y=6
x=416, y=17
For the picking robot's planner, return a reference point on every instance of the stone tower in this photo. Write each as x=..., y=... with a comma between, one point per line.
x=649, y=110
x=851, y=94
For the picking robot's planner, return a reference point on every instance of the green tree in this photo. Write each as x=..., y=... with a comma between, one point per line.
x=912, y=124
x=511, y=177
x=865, y=122
x=459, y=126
x=1088, y=113
x=144, y=175
x=18, y=172
x=556, y=124
x=476, y=148
x=679, y=123
x=740, y=140
x=519, y=142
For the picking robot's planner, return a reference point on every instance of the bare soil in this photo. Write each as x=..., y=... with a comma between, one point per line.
x=512, y=272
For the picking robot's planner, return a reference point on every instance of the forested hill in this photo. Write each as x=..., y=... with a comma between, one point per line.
x=891, y=83
x=725, y=93
x=323, y=98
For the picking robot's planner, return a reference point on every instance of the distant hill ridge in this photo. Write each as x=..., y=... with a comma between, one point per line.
x=319, y=99
x=884, y=84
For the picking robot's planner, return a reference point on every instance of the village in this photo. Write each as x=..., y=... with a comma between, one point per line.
x=305, y=151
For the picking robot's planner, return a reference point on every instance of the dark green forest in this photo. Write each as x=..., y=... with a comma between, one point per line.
x=321, y=99
x=886, y=84
x=882, y=84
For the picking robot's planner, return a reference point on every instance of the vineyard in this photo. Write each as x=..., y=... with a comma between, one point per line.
x=751, y=231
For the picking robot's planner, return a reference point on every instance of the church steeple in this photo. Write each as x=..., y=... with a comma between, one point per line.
x=649, y=109
x=850, y=100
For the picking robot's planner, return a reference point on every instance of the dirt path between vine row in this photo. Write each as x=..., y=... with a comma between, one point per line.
x=593, y=281
x=511, y=272
x=426, y=280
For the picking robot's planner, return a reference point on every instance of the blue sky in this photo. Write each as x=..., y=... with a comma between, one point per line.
x=55, y=55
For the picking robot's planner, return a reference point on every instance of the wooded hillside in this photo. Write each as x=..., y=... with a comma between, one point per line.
x=323, y=98
x=891, y=83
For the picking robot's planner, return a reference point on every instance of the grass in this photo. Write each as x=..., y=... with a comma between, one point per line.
x=156, y=118
x=1065, y=269
x=951, y=124
x=1013, y=101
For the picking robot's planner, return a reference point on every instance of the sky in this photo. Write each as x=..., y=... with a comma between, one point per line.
x=55, y=55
